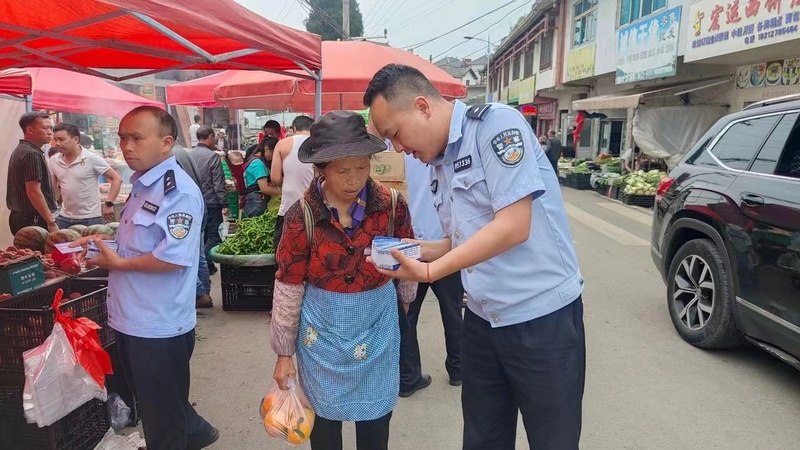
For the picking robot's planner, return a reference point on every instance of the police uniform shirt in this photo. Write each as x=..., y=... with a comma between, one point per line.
x=493, y=160
x=162, y=216
x=420, y=203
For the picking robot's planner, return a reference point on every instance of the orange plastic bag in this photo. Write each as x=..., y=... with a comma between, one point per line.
x=287, y=414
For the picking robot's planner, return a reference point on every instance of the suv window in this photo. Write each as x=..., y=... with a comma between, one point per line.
x=767, y=160
x=789, y=165
x=737, y=147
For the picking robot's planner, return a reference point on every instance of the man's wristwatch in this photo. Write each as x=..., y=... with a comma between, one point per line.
x=109, y=204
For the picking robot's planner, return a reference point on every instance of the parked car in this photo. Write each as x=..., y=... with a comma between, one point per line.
x=726, y=233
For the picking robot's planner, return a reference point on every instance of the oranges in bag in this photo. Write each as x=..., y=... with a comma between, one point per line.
x=287, y=415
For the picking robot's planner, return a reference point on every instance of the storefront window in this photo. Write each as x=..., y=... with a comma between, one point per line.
x=546, y=54
x=584, y=27
x=517, y=63
x=633, y=10
x=528, y=61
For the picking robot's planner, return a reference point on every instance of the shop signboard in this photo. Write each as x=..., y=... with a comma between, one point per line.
x=580, y=62
x=148, y=91
x=527, y=90
x=784, y=72
x=721, y=27
x=546, y=111
x=513, y=92
x=648, y=49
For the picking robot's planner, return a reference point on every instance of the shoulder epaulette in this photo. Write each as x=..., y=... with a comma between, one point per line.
x=477, y=111
x=169, y=182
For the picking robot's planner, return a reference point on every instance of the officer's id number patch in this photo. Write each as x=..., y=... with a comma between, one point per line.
x=179, y=225
x=508, y=147
x=462, y=164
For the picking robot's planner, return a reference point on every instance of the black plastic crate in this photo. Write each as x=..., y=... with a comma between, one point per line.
x=247, y=288
x=26, y=320
x=81, y=429
x=582, y=181
x=94, y=273
x=646, y=201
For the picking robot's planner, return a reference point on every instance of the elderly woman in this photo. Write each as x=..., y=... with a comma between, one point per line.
x=348, y=342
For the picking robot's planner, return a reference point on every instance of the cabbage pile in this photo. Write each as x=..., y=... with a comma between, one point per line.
x=642, y=183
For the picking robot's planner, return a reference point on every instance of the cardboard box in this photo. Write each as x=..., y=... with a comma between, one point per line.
x=388, y=166
x=400, y=186
x=21, y=276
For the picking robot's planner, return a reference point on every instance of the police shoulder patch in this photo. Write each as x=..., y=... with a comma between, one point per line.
x=508, y=147
x=179, y=224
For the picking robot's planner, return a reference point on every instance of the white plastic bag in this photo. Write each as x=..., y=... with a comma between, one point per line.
x=55, y=384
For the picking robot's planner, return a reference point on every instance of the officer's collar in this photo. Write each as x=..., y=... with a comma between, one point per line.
x=155, y=173
x=456, y=125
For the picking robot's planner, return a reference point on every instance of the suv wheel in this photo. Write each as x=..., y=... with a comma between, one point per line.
x=700, y=296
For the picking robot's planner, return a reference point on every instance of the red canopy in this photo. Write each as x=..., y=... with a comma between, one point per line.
x=62, y=90
x=199, y=92
x=149, y=34
x=349, y=67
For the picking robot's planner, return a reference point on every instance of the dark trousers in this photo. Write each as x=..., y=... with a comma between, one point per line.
x=211, y=236
x=450, y=293
x=19, y=220
x=370, y=434
x=536, y=368
x=278, y=231
x=158, y=372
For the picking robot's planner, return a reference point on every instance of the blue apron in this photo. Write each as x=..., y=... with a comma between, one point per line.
x=348, y=352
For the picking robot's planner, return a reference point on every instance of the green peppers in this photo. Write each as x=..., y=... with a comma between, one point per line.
x=254, y=236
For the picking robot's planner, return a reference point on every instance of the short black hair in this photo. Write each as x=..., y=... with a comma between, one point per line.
x=302, y=123
x=273, y=124
x=166, y=123
x=71, y=129
x=205, y=132
x=196, y=118
x=396, y=80
x=28, y=118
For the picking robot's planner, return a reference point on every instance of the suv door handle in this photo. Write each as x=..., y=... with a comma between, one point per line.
x=752, y=200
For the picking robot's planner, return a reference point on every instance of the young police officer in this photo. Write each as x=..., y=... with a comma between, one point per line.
x=501, y=207
x=151, y=286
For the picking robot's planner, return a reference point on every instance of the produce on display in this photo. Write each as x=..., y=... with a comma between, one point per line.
x=103, y=230
x=59, y=236
x=31, y=237
x=79, y=228
x=643, y=183
x=254, y=236
x=71, y=266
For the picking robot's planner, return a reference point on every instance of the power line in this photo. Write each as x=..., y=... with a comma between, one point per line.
x=413, y=19
x=374, y=11
x=277, y=16
x=492, y=26
x=420, y=44
x=389, y=11
x=311, y=6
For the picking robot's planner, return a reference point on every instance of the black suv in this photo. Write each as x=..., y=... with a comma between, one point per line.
x=726, y=233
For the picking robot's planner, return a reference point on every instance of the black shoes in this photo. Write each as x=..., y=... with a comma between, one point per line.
x=197, y=443
x=424, y=381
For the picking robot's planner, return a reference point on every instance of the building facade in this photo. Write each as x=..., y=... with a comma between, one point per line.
x=649, y=73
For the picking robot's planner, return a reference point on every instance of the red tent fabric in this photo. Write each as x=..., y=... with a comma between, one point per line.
x=62, y=90
x=349, y=67
x=149, y=34
x=199, y=92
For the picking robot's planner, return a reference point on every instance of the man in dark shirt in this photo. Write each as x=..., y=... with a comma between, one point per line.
x=30, y=195
x=212, y=185
x=553, y=149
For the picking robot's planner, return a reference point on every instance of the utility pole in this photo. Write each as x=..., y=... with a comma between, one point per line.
x=346, y=17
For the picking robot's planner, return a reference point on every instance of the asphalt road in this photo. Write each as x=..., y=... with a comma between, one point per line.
x=645, y=388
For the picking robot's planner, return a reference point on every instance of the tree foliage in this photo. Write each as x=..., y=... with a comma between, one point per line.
x=317, y=23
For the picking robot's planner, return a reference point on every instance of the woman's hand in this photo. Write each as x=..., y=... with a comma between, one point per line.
x=284, y=369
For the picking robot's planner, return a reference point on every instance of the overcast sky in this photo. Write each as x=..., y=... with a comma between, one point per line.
x=410, y=22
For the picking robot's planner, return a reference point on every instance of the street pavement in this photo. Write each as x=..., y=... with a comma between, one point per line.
x=645, y=387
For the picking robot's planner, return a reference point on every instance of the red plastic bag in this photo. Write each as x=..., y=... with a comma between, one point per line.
x=82, y=336
x=287, y=414
x=64, y=372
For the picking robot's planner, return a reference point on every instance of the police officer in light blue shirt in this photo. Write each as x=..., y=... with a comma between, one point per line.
x=506, y=230
x=151, y=285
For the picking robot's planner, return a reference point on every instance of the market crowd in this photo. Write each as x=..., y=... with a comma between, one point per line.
x=484, y=204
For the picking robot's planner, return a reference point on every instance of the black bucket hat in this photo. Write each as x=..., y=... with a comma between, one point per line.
x=337, y=135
